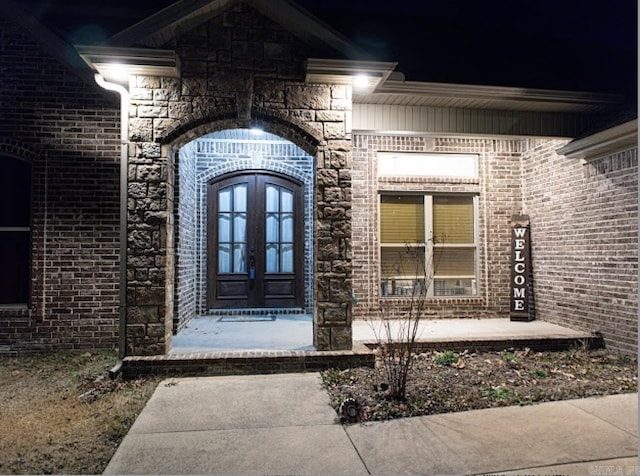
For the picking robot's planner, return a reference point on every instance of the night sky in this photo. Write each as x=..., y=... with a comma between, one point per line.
x=588, y=45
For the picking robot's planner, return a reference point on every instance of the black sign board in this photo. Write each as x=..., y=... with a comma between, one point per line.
x=522, y=308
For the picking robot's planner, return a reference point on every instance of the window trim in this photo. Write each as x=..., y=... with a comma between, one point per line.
x=429, y=244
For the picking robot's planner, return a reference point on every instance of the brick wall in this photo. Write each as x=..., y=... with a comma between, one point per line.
x=187, y=244
x=498, y=191
x=584, y=232
x=241, y=69
x=583, y=228
x=68, y=128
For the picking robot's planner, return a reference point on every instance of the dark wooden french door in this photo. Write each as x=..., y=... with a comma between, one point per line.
x=255, y=242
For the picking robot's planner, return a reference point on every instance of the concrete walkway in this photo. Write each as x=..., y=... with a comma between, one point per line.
x=283, y=424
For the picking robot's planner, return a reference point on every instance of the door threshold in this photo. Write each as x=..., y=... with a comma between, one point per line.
x=254, y=311
x=248, y=318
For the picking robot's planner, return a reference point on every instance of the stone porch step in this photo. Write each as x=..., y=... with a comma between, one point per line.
x=290, y=361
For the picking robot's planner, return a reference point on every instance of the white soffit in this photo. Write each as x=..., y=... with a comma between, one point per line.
x=614, y=139
x=412, y=93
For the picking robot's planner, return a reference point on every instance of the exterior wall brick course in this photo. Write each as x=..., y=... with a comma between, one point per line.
x=69, y=132
x=584, y=223
x=498, y=191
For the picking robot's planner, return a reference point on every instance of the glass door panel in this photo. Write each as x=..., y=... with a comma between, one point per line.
x=272, y=258
x=279, y=229
x=232, y=229
x=287, y=258
x=287, y=227
x=287, y=200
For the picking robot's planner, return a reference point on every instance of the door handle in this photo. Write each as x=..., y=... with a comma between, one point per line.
x=252, y=268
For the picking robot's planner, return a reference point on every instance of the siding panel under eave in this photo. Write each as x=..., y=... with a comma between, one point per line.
x=423, y=119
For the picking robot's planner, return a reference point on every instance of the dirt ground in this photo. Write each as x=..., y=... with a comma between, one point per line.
x=60, y=414
x=443, y=382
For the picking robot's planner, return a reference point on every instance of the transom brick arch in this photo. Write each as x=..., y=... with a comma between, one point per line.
x=192, y=126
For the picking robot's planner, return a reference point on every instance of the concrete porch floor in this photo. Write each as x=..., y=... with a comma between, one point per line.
x=295, y=332
x=236, y=333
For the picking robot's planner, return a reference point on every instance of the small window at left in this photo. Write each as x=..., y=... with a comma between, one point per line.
x=15, y=231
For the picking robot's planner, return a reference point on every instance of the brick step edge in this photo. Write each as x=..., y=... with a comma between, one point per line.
x=245, y=362
x=494, y=344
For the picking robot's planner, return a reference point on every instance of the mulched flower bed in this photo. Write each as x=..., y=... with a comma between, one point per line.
x=444, y=382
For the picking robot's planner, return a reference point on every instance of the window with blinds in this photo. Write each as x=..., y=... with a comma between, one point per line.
x=453, y=219
x=402, y=219
x=428, y=236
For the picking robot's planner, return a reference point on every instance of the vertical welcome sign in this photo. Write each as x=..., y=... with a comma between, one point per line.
x=522, y=308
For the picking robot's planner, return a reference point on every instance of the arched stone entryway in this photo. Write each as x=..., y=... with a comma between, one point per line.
x=156, y=193
x=212, y=79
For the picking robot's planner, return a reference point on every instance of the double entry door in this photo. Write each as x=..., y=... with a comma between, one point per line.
x=255, y=242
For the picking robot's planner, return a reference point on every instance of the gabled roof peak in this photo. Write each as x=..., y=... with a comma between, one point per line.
x=159, y=28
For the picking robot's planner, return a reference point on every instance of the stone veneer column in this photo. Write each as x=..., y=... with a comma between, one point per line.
x=333, y=279
x=149, y=250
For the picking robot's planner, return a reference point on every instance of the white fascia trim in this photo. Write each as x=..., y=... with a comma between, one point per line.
x=135, y=61
x=471, y=91
x=610, y=140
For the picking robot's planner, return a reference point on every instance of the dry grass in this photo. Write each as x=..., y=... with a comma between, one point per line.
x=61, y=414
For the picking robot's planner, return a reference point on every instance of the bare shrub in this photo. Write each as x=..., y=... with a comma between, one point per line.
x=396, y=337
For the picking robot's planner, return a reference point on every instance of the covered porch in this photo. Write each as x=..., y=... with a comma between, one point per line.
x=231, y=345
